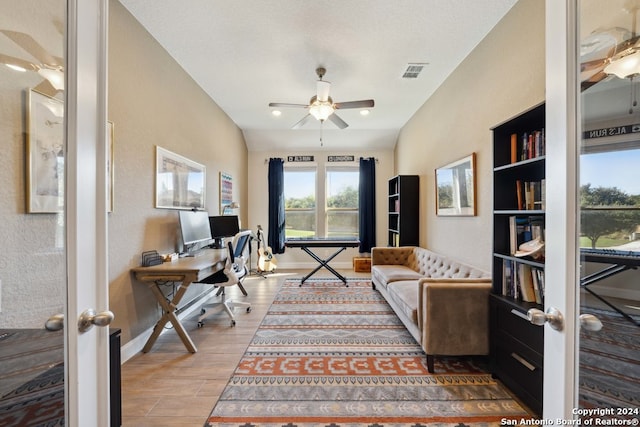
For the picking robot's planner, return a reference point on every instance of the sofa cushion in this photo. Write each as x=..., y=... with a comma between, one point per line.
x=404, y=294
x=384, y=274
x=431, y=264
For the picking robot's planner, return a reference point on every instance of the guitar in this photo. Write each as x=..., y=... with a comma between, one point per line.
x=266, y=260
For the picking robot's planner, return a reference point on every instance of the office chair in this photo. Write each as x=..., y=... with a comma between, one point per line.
x=233, y=274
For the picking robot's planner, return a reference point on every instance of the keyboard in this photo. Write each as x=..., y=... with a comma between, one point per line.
x=610, y=256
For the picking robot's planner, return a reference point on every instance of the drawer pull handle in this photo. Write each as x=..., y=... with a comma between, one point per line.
x=526, y=364
x=520, y=314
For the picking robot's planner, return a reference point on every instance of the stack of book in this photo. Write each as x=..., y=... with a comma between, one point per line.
x=532, y=145
x=522, y=282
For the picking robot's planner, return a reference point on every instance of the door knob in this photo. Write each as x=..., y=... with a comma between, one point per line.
x=89, y=317
x=55, y=322
x=553, y=316
x=590, y=322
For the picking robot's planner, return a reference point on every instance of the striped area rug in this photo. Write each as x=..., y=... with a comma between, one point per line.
x=610, y=363
x=331, y=355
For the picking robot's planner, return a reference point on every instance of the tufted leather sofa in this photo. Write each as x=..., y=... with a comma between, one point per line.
x=443, y=303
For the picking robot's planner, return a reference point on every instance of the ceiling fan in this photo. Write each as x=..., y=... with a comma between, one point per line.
x=322, y=107
x=49, y=67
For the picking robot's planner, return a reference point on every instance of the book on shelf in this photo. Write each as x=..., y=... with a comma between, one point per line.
x=522, y=282
x=514, y=148
x=532, y=145
x=523, y=229
x=530, y=195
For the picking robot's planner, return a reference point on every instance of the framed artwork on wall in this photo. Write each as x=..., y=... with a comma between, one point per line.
x=456, y=188
x=45, y=154
x=180, y=182
x=226, y=191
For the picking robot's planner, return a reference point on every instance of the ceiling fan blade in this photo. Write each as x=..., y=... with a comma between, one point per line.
x=47, y=88
x=302, y=122
x=34, y=48
x=322, y=90
x=366, y=103
x=282, y=104
x=10, y=60
x=337, y=121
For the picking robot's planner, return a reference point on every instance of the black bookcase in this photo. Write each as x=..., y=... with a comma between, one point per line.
x=404, y=214
x=517, y=346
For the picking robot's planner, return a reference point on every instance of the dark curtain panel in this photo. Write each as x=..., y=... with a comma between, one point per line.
x=367, y=204
x=275, y=237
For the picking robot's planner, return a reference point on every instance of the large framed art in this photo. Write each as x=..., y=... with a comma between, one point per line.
x=456, y=188
x=45, y=154
x=180, y=182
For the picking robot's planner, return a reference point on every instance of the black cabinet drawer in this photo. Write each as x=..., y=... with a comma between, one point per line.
x=511, y=319
x=517, y=350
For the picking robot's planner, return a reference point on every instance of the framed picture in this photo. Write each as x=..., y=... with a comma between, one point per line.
x=180, y=182
x=456, y=188
x=45, y=154
x=226, y=191
x=109, y=140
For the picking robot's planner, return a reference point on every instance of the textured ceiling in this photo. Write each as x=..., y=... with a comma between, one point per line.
x=247, y=53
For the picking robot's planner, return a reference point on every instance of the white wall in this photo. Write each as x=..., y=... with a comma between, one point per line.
x=501, y=77
x=153, y=102
x=259, y=202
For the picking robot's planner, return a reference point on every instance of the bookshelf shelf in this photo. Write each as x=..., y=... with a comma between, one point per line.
x=517, y=346
x=403, y=213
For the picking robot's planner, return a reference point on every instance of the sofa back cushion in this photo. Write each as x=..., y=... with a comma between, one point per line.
x=434, y=265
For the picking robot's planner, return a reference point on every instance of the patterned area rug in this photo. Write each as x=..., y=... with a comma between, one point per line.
x=330, y=355
x=610, y=363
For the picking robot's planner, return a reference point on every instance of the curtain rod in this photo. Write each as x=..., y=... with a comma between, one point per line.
x=284, y=160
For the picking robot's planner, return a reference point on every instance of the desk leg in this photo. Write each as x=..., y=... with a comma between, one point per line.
x=169, y=308
x=323, y=263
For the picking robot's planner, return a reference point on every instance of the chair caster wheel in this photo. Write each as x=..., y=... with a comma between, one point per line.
x=200, y=324
x=233, y=323
x=248, y=309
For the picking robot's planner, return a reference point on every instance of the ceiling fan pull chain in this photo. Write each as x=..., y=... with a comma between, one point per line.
x=321, y=142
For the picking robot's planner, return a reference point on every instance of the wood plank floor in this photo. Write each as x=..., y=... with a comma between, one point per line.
x=171, y=387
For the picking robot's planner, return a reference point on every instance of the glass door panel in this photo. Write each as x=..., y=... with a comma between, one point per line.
x=609, y=214
x=33, y=264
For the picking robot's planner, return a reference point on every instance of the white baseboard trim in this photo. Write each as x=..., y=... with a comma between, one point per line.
x=134, y=346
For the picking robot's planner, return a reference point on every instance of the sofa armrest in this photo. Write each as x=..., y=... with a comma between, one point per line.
x=391, y=255
x=453, y=316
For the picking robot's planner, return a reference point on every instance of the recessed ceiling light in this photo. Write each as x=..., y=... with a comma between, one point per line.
x=276, y=113
x=364, y=112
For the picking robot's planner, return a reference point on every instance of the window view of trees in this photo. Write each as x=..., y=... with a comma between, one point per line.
x=342, y=202
x=340, y=212
x=300, y=202
x=609, y=216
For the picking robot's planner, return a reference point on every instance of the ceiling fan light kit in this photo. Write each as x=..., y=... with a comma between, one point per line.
x=624, y=66
x=321, y=106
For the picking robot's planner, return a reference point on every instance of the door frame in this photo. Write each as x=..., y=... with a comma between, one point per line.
x=562, y=261
x=86, y=354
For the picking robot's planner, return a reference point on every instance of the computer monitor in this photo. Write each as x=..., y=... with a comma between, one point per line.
x=224, y=226
x=194, y=228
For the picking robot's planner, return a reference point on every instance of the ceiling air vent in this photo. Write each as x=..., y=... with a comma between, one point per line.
x=413, y=70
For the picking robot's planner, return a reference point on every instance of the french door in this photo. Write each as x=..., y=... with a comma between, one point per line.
x=53, y=121
x=591, y=362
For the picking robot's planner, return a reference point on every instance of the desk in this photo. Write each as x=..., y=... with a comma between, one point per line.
x=305, y=244
x=186, y=271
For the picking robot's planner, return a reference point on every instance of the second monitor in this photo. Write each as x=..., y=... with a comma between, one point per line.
x=223, y=226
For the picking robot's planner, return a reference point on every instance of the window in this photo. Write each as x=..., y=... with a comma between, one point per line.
x=331, y=211
x=342, y=201
x=300, y=202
